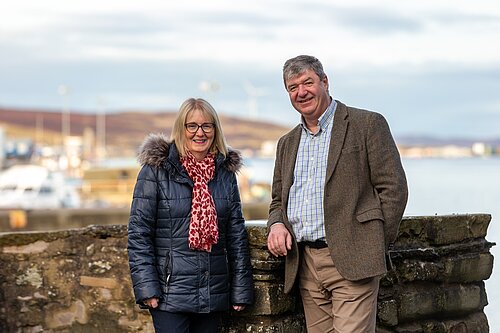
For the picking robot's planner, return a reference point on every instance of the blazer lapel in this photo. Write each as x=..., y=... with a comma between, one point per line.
x=339, y=129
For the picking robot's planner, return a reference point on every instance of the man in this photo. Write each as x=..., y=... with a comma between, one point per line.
x=339, y=193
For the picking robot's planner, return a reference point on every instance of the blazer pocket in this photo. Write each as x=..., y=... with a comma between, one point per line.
x=352, y=149
x=372, y=214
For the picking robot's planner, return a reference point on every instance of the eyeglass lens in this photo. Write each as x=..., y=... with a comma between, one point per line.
x=205, y=127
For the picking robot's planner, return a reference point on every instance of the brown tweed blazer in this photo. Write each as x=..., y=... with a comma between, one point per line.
x=365, y=193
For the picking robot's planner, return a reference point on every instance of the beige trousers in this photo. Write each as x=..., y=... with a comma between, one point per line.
x=332, y=303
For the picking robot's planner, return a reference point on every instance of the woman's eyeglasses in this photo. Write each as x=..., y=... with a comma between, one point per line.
x=205, y=127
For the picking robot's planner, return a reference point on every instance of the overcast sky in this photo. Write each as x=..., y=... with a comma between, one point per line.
x=431, y=67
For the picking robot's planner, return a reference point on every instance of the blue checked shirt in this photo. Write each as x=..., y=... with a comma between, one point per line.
x=305, y=201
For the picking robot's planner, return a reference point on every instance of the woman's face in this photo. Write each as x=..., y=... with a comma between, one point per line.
x=200, y=133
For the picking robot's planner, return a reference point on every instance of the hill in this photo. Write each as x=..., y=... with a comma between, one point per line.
x=125, y=131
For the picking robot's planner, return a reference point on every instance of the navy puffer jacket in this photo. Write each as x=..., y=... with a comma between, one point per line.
x=161, y=263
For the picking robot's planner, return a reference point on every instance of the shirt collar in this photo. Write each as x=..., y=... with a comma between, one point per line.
x=324, y=119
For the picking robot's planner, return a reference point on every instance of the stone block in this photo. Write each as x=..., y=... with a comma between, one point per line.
x=424, y=302
x=271, y=300
x=419, y=270
x=257, y=235
x=472, y=323
x=387, y=312
x=263, y=260
x=470, y=268
x=441, y=230
x=91, y=281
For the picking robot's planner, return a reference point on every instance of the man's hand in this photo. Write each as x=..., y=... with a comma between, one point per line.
x=151, y=302
x=279, y=241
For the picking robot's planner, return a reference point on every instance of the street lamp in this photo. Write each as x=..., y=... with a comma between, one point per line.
x=64, y=91
x=101, y=130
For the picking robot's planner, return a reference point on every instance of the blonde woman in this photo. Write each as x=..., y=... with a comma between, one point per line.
x=187, y=242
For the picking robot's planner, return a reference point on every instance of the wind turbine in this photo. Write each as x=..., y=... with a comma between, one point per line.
x=253, y=94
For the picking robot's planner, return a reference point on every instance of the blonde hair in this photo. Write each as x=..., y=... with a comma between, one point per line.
x=178, y=135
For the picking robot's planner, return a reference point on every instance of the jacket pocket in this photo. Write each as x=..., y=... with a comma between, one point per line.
x=164, y=269
x=369, y=215
x=167, y=271
x=352, y=149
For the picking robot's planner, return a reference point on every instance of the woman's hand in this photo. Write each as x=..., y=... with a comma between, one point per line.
x=151, y=302
x=238, y=307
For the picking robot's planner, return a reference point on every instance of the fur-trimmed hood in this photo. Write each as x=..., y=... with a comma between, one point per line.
x=154, y=151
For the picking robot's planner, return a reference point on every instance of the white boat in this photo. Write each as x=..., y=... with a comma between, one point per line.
x=35, y=187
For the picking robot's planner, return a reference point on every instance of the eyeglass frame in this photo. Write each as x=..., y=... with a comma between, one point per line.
x=211, y=127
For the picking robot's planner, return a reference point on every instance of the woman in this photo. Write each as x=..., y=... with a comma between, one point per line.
x=187, y=242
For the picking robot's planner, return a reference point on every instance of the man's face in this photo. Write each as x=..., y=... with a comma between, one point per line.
x=308, y=94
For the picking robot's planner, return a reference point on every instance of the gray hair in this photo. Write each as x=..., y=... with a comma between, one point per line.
x=299, y=65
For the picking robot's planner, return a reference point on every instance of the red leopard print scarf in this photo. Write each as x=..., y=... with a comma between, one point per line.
x=203, y=232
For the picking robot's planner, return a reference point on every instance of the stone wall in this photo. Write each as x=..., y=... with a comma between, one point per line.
x=78, y=281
